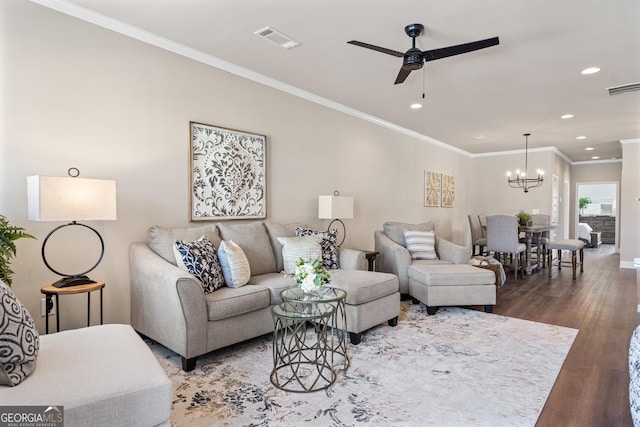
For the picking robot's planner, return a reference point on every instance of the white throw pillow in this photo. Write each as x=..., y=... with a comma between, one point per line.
x=235, y=265
x=294, y=248
x=421, y=244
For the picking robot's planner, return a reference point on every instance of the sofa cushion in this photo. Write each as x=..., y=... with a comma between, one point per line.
x=235, y=265
x=253, y=239
x=19, y=340
x=294, y=248
x=161, y=239
x=275, y=230
x=330, y=257
x=421, y=244
x=275, y=283
x=364, y=286
x=395, y=230
x=199, y=258
x=228, y=302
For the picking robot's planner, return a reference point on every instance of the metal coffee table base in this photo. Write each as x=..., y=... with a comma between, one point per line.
x=302, y=353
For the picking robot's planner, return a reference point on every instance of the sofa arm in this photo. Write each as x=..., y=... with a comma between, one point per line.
x=352, y=259
x=449, y=251
x=392, y=258
x=167, y=303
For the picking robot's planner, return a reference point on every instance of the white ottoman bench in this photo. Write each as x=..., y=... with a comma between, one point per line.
x=102, y=375
x=452, y=284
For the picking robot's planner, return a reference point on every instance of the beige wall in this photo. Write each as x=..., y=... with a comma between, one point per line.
x=74, y=94
x=77, y=95
x=629, y=206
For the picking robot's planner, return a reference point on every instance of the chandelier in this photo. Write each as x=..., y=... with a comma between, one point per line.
x=521, y=180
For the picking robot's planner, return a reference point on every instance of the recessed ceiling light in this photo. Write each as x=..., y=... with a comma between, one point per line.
x=589, y=149
x=566, y=116
x=416, y=105
x=581, y=137
x=479, y=137
x=590, y=70
x=595, y=158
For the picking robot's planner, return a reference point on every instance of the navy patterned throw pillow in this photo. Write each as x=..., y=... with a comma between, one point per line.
x=19, y=340
x=199, y=258
x=329, y=246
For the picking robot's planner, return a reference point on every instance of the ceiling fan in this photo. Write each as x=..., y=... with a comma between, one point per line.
x=414, y=58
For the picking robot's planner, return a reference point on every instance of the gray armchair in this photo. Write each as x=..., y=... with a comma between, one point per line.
x=395, y=258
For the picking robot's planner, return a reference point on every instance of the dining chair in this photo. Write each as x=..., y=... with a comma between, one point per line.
x=502, y=238
x=478, y=238
x=483, y=224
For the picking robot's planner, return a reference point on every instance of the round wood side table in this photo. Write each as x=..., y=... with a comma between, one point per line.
x=50, y=290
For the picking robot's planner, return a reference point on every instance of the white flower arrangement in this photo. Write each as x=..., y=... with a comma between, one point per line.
x=310, y=274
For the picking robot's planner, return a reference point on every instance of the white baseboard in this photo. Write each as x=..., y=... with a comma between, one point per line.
x=628, y=264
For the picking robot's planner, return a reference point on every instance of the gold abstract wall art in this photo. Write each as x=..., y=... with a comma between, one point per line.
x=432, y=188
x=448, y=191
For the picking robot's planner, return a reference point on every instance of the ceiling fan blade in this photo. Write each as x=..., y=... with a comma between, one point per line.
x=444, y=52
x=377, y=48
x=402, y=75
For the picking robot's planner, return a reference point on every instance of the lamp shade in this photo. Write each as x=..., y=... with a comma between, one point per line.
x=335, y=207
x=70, y=199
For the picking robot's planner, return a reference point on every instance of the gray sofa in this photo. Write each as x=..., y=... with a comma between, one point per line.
x=169, y=305
x=446, y=280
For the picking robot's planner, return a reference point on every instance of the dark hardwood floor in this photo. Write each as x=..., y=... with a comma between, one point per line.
x=592, y=388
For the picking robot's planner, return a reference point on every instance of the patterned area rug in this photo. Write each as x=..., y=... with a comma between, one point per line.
x=456, y=368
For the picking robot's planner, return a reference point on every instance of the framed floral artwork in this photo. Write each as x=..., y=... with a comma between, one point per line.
x=432, y=188
x=228, y=174
x=448, y=191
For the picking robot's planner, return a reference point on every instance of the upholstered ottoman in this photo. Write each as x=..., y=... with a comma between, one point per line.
x=452, y=284
x=372, y=298
x=102, y=375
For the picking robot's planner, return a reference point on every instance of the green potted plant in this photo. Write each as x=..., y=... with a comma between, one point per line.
x=9, y=234
x=583, y=202
x=524, y=218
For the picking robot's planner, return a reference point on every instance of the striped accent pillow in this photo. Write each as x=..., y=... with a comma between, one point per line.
x=421, y=244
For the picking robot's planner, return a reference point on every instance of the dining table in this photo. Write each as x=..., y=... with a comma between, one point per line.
x=531, y=231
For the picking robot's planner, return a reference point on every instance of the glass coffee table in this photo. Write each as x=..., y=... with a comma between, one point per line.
x=309, y=339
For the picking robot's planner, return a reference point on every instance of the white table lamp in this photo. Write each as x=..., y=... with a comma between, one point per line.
x=71, y=199
x=336, y=207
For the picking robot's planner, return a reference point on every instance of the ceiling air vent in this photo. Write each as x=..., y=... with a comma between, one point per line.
x=631, y=87
x=275, y=36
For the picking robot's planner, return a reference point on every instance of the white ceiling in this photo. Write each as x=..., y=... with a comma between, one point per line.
x=479, y=102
